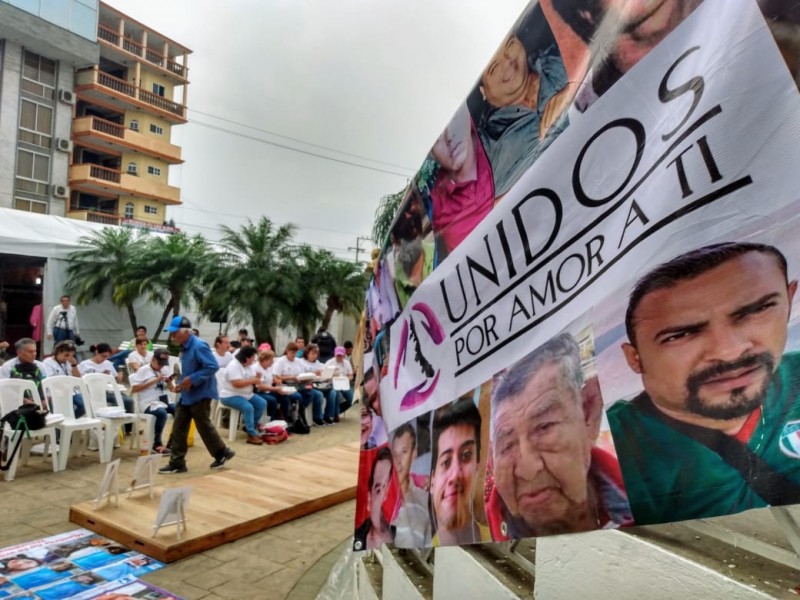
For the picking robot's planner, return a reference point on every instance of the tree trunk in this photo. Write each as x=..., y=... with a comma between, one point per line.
x=132, y=318
x=262, y=332
x=163, y=321
x=326, y=318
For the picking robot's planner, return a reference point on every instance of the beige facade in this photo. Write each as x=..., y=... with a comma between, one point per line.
x=126, y=108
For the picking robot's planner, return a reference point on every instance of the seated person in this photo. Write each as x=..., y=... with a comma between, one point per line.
x=285, y=372
x=140, y=355
x=311, y=364
x=151, y=382
x=63, y=363
x=272, y=393
x=236, y=391
x=100, y=363
x=343, y=369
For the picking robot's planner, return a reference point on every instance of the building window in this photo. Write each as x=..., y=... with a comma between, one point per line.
x=153, y=170
x=35, y=124
x=33, y=206
x=158, y=90
x=150, y=210
x=129, y=210
x=38, y=75
x=156, y=129
x=132, y=168
x=134, y=125
x=33, y=172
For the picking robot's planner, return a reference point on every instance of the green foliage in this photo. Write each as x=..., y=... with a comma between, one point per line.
x=105, y=263
x=257, y=274
x=384, y=216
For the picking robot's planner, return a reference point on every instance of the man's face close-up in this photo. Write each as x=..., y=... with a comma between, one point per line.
x=542, y=452
x=380, y=485
x=65, y=302
x=373, y=392
x=453, y=476
x=403, y=454
x=179, y=337
x=708, y=346
x=504, y=80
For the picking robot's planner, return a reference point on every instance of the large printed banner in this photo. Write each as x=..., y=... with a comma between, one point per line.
x=584, y=316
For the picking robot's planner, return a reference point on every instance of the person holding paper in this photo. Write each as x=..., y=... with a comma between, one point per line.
x=549, y=477
x=152, y=382
x=715, y=430
x=343, y=370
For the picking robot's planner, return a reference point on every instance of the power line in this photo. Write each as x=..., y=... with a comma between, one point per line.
x=294, y=139
x=299, y=151
x=244, y=217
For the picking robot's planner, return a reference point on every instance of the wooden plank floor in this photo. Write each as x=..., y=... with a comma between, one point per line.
x=229, y=504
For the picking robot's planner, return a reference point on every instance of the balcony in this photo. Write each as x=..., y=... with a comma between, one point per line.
x=94, y=179
x=107, y=136
x=95, y=86
x=128, y=48
x=93, y=216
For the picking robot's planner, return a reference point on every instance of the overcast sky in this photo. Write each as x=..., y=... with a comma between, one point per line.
x=374, y=78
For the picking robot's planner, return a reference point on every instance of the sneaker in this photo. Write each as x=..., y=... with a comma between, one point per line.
x=226, y=456
x=170, y=469
x=328, y=421
x=319, y=422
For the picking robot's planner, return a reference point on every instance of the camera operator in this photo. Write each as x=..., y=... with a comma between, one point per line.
x=62, y=324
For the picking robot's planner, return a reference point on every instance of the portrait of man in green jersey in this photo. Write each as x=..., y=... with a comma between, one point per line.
x=713, y=430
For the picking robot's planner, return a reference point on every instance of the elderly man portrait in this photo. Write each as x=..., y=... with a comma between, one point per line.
x=549, y=476
x=455, y=468
x=715, y=430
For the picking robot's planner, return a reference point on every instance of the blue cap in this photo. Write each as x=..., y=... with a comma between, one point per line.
x=177, y=323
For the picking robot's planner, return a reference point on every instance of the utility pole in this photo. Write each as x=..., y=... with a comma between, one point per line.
x=358, y=249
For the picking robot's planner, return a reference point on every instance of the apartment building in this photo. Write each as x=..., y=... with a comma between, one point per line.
x=41, y=44
x=126, y=107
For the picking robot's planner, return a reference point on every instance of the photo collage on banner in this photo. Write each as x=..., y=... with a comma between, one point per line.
x=73, y=564
x=578, y=318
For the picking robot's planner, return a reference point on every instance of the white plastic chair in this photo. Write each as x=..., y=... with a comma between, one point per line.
x=12, y=393
x=60, y=390
x=234, y=416
x=97, y=384
x=150, y=421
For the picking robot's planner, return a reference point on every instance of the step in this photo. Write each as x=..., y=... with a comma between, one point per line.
x=480, y=571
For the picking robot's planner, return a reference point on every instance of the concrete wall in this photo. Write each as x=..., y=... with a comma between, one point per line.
x=9, y=118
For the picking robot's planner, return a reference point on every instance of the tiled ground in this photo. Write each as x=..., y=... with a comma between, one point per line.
x=264, y=565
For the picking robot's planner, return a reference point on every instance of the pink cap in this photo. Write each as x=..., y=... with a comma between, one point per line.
x=264, y=346
x=339, y=351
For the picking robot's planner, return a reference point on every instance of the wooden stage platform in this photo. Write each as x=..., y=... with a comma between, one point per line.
x=229, y=504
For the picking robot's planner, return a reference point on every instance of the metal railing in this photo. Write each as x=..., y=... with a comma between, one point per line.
x=105, y=173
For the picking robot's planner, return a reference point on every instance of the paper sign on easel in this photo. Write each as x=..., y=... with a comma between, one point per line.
x=172, y=510
x=110, y=484
x=145, y=473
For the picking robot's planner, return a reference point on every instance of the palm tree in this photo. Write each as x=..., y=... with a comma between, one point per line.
x=340, y=283
x=171, y=270
x=384, y=216
x=256, y=278
x=105, y=262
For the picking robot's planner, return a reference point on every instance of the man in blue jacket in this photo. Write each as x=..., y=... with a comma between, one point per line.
x=198, y=387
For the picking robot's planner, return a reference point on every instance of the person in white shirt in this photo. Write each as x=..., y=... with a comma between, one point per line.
x=311, y=364
x=222, y=351
x=23, y=350
x=334, y=407
x=140, y=355
x=99, y=363
x=236, y=391
x=62, y=323
x=285, y=371
x=267, y=388
x=63, y=363
x=151, y=382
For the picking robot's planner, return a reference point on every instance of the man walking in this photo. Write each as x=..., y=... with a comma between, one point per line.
x=62, y=323
x=198, y=387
